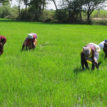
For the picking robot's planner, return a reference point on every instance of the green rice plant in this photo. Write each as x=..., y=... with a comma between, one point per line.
x=51, y=75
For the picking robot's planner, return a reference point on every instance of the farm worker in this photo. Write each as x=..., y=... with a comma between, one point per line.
x=30, y=42
x=90, y=52
x=103, y=46
x=2, y=42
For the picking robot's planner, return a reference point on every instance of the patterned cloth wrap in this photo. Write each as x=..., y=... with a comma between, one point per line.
x=96, y=49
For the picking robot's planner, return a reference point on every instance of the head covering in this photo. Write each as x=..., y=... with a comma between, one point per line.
x=87, y=51
x=3, y=39
x=101, y=45
x=35, y=36
x=32, y=36
x=105, y=41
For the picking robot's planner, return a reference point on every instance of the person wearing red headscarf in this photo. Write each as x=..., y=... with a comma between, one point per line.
x=2, y=42
x=30, y=42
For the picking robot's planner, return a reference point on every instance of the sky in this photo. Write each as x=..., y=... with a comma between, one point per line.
x=50, y=6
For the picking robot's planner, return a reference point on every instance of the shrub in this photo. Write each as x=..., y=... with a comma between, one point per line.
x=47, y=16
x=61, y=15
x=7, y=12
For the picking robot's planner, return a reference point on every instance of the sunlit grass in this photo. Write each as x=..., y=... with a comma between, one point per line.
x=50, y=75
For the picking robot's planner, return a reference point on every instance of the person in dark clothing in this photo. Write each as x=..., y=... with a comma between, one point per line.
x=30, y=42
x=2, y=42
x=103, y=46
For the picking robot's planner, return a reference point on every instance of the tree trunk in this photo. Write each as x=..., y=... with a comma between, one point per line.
x=88, y=17
x=19, y=10
x=26, y=7
x=71, y=18
x=89, y=12
x=19, y=4
x=80, y=15
x=55, y=4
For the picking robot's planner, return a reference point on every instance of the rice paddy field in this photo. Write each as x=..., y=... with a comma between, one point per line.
x=51, y=75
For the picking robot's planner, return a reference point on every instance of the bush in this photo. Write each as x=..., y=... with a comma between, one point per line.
x=25, y=15
x=61, y=15
x=47, y=16
x=7, y=12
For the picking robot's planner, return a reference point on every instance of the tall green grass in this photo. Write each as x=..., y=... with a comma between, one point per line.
x=50, y=75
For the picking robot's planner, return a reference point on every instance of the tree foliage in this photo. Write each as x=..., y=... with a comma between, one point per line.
x=34, y=9
x=90, y=5
x=66, y=11
x=75, y=8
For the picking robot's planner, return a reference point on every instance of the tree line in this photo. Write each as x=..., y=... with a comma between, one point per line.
x=70, y=11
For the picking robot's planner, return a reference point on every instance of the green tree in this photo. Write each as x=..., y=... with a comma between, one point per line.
x=26, y=2
x=4, y=2
x=54, y=1
x=75, y=8
x=19, y=6
x=90, y=5
x=36, y=8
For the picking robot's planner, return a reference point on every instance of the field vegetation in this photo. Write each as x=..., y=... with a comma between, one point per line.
x=50, y=75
